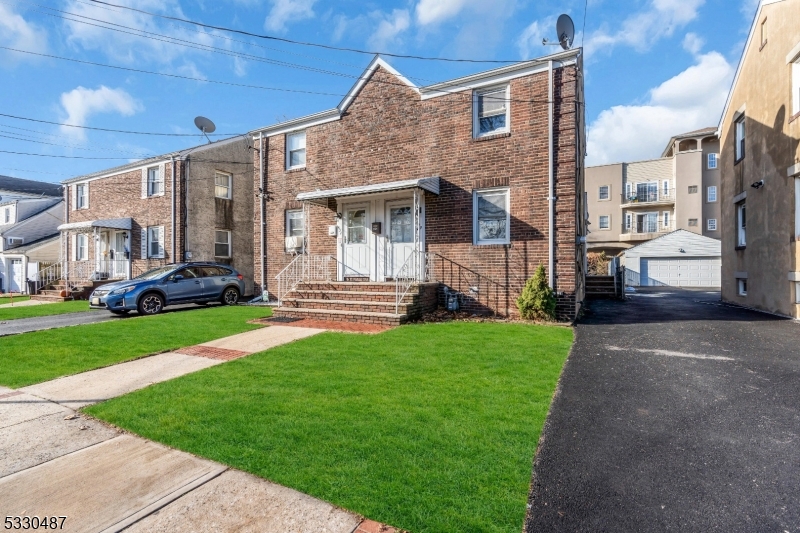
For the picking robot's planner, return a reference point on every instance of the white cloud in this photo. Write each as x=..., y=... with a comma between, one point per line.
x=435, y=11
x=285, y=11
x=643, y=29
x=16, y=32
x=529, y=43
x=80, y=103
x=693, y=43
x=691, y=100
x=389, y=29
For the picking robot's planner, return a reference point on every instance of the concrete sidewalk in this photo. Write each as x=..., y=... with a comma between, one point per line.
x=24, y=303
x=56, y=462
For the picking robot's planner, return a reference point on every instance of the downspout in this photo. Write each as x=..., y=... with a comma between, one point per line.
x=551, y=191
x=172, y=212
x=262, y=196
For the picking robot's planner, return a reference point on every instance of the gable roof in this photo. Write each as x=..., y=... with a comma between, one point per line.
x=18, y=185
x=472, y=81
x=671, y=244
x=750, y=36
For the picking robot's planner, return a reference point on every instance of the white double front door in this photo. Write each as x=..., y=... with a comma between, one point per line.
x=377, y=255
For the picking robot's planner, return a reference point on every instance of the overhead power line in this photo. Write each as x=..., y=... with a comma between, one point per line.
x=304, y=43
x=118, y=131
x=62, y=156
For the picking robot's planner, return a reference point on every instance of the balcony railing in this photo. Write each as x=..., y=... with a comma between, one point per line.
x=647, y=227
x=649, y=197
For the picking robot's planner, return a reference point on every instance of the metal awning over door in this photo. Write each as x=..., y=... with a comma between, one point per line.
x=427, y=184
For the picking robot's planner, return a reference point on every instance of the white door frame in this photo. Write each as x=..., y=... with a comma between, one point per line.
x=343, y=266
x=388, y=263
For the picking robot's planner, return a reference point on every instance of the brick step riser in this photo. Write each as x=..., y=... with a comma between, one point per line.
x=342, y=306
x=322, y=315
x=349, y=296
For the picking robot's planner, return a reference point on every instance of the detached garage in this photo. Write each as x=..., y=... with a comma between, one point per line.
x=678, y=259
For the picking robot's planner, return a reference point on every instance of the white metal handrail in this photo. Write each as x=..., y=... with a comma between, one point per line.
x=305, y=268
x=418, y=268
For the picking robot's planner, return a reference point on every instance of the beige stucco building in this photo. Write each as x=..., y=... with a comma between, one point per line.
x=760, y=164
x=632, y=203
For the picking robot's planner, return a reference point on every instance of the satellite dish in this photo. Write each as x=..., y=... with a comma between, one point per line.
x=205, y=125
x=566, y=31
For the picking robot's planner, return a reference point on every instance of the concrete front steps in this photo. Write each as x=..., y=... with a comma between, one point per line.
x=361, y=302
x=79, y=290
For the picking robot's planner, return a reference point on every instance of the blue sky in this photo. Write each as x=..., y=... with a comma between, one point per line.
x=654, y=68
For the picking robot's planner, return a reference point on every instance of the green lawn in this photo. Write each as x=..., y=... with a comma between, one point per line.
x=30, y=311
x=43, y=355
x=7, y=300
x=431, y=428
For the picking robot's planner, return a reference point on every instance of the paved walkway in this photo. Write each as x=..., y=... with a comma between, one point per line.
x=674, y=413
x=25, y=303
x=27, y=325
x=57, y=462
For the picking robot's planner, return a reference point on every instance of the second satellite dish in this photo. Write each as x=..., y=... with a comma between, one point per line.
x=205, y=125
x=566, y=31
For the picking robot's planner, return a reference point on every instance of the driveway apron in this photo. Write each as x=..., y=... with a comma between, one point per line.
x=675, y=412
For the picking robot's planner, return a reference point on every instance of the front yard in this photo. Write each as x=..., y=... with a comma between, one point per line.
x=430, y=428
x=7, y=299
x=31, y=311
x=43, y=355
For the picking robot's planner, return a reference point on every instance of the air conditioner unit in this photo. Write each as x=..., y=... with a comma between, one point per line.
x=294, y=244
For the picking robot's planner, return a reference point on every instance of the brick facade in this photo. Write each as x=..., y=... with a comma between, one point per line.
x=390, y=134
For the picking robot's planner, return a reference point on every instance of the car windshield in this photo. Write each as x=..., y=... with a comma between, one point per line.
x=155, y=273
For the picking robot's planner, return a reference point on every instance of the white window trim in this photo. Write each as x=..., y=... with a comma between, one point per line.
x=741, y=287
x=288, y=154
x=85, y=205
x=290, y=246
x=741, y=231
x=229, y=186
x=229, y=244
x=715, y=157
x=709, y=224
x=85, y=255
x=628, y=220
x=161, y=243
x=665, y=219
x=600, y=194
x=476, y=126
x=600, y=223
x=159, y=178
x=708, y=194
x=7, y=215
x=475, y=227
x=737, y=142
x=665, y=188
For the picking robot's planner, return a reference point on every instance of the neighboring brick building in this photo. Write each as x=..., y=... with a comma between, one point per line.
x=193, y=205
x=454, y=176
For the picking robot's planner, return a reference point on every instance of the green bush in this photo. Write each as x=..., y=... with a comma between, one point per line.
x=537, y=301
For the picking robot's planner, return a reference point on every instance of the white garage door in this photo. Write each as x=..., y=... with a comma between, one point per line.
x=16, y=277
x=674, y=272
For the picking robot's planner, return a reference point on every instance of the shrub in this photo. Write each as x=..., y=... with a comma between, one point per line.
x=597, y=263
x=537, y=301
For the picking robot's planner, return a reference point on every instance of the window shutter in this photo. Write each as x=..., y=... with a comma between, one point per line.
x=86, y=192
x=74, y=197
x=162, y=169
x=144, y=185
x=74, y=244
x=144, y=243
x=161, y=242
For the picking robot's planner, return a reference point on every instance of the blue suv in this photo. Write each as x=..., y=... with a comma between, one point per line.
x=180, y=283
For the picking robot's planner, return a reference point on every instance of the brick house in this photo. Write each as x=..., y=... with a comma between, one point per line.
x=190, y=205
x=405, y=195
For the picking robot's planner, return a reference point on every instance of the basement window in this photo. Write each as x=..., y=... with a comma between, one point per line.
x=491, y=111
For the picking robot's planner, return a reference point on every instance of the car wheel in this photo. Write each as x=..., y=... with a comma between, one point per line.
x=120, y=311
x=151, y=304
x=230, y=296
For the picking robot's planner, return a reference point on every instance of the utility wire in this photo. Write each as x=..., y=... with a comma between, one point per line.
x=304, y=43
x=73, y=147
x=118, y=131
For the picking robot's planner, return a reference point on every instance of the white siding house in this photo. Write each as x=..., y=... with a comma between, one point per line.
x=678, y=259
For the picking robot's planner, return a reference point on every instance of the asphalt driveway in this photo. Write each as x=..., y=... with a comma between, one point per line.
x=674, y=413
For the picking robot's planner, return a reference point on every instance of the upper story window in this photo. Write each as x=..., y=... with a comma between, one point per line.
x=296, y=150
x=738, y=139
x=764, y=33
x=712, y=224
x=82, y=196
x=492, y=216
x=603, y=194
x=155, y=182
x=741, y=225
x=490, y=111
x=605, y=222
x=665, y=188
x=712, y=161
x=665, y=221
x=712, y=194
x=222, y=185
x=7, y=215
